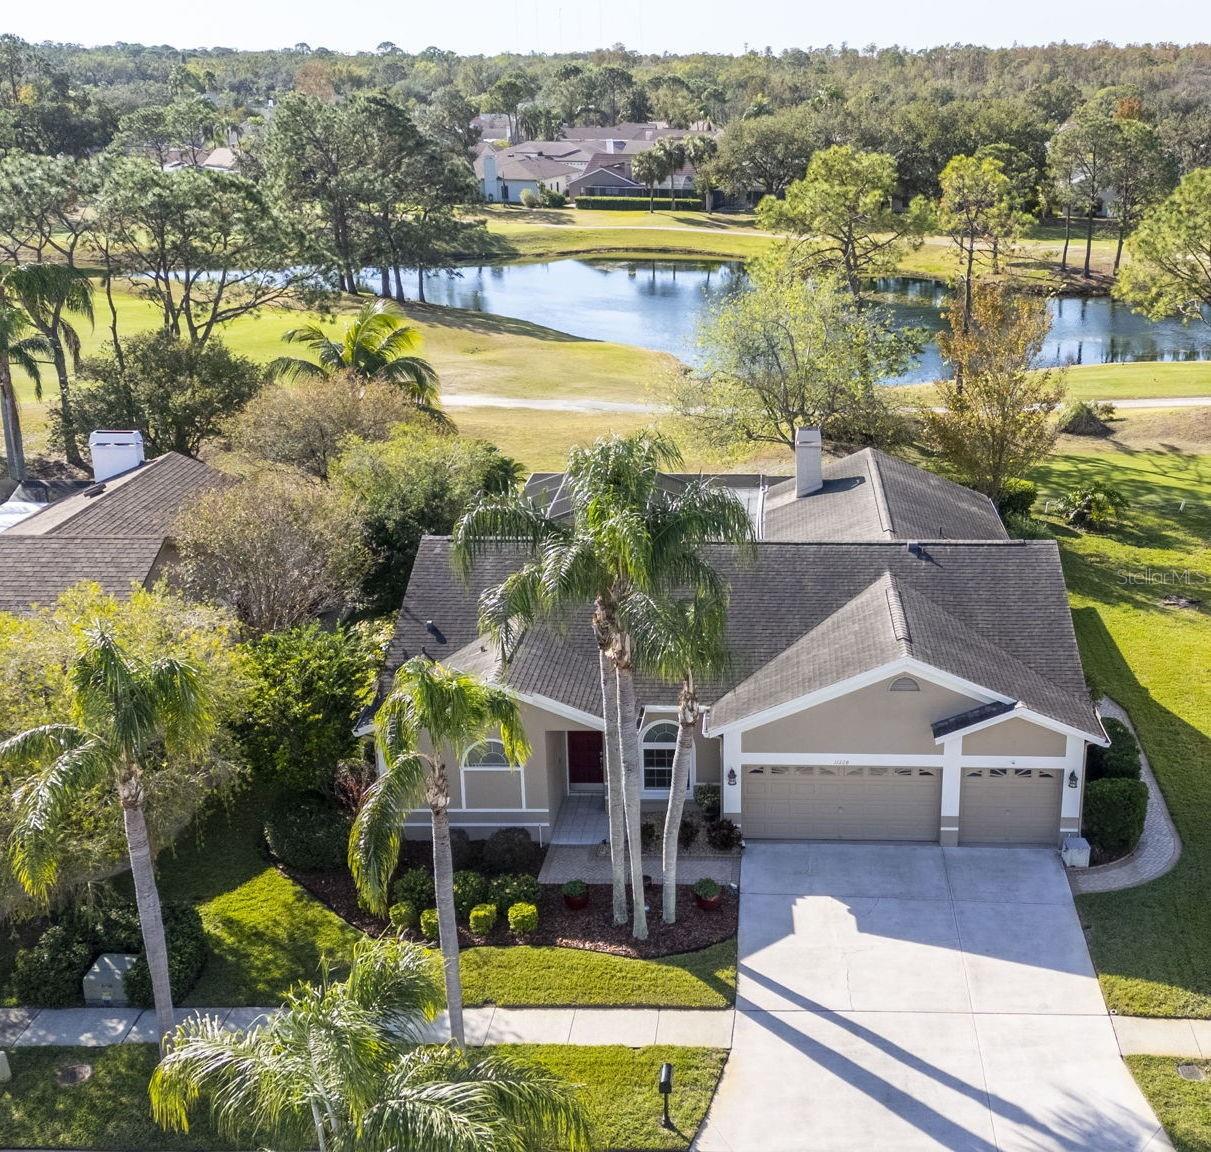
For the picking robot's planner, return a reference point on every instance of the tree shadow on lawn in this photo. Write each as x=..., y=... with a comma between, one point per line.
x=1150, y=944
x=488, y=323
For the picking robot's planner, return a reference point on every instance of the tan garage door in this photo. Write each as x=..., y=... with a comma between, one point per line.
x=1010, y=805
x=846, y=802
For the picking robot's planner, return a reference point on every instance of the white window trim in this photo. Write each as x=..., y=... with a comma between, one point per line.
x=662, y=793
x=464, y=768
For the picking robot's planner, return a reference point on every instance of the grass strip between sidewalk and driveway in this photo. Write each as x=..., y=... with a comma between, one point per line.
x=1182, y=1106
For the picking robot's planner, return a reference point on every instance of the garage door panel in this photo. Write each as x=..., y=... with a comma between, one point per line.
x=843, y=802
x=1010, y=805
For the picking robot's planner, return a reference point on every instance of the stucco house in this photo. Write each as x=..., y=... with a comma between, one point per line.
x=899, y=670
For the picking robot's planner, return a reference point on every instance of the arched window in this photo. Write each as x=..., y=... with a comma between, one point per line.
x=659, y=744
x=486, y=754
x=904, y=684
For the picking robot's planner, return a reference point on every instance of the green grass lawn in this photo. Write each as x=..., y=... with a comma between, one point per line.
x=523, y=977
x=110, y=1110
x=1150, y=944
x=1182, y=1106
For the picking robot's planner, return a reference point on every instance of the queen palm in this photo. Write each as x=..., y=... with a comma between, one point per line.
x=626, y=533
x=126, y=712
x=378, y=344
x=339, y=1068
x=50, y=293
x=21, y=349
x=430, y=714
x=681, y=641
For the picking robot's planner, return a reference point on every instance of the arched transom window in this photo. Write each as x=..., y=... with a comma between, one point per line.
x=659, y=744
x=486, y=754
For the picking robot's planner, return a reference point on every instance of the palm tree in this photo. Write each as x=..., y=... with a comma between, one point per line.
x=670, y=158
x=449, y=711
x=378, y=344
x=127, y=712
x=339, y=1068
x=48, y=293
x=22, y=350
x=627, y=534
x=680, y=640
x=647, y=169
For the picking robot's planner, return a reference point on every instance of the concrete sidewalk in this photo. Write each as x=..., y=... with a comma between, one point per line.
x=1146, y=1036
x=631, y=1027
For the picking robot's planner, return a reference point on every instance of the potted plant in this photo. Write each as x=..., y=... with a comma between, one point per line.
x=575, y=895
x=707, y=894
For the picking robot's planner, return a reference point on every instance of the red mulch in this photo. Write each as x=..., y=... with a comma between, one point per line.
x=591, y=928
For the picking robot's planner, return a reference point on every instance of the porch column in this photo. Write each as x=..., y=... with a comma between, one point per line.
x=1072, y=791
x=732, y=776
x=952, y=773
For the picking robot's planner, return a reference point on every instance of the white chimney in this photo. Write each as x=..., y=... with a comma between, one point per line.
x=489, y=159
x=809, y=476
x=114, y=452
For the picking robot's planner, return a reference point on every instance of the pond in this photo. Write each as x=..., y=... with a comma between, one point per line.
x=657, y=304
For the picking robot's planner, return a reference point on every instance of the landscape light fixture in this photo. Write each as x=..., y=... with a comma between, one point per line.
x=666, y=1090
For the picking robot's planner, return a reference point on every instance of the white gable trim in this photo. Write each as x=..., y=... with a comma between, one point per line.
x=1022, y=712
x=564, y=710
x=901, y=666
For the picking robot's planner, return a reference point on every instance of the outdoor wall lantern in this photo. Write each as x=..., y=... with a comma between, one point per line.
x=731, y=777
x=1072, y=780
x=666, y=1090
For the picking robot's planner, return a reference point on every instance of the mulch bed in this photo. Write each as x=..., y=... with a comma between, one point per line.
x=591, y=928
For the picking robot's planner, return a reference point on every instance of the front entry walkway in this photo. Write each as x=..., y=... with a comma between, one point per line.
x=912, y=997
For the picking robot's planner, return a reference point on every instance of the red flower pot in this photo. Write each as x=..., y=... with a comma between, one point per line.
x=576, y=903
x=709, y=903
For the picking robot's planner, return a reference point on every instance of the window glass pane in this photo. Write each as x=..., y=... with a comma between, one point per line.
x=487, y=754
x=657, y=767
x=661, y=734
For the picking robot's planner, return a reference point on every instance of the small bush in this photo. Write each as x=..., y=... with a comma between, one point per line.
x=465, y=854
x=1121, y=761
x=1027, y=528
x=723, y=836
x=575, y=889
x=687, y=833
x=1093, y=506
x=706, y=796
x=523, y=919
x=505, y=891
x=470, y=889
x=307, y=833
x=429, y=924
x=553, y=199
x=48, y=975
x=1114, y=814
x=187, y=953
x=1017, y=498
x=415, y=887
x=510, y=850
x=649, y=835
x=707, y=888
x=482, y=919
x=403, y=916
x=529, y=198
x=639, y=203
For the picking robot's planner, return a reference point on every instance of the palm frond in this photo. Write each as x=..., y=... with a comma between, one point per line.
x=496, y=520
x=291, y=368
x=399, y=982
x=374, y=840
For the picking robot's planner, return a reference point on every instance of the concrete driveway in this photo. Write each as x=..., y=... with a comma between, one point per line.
x=904, y=997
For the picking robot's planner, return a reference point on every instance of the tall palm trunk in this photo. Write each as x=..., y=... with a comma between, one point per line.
x=632, y=785
x=147, y=899
x=615, y=800
x=10, y=411
x=71, y=440
x=443, y=882
x=687, y=716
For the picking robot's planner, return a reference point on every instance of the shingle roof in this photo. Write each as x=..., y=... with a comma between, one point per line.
x=993, y=612
x=976, y=715
x=37, y=569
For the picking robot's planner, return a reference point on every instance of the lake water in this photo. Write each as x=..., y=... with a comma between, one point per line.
x=657, y=304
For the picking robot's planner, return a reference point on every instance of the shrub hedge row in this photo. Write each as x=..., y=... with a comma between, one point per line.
x=639, y=203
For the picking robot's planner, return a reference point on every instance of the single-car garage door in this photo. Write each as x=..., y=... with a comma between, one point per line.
x=843, y=802
x=1010, y=805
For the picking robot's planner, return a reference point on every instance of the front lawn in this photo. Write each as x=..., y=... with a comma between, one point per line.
x=1150, y=944
x=110, y=1109
x=524, y=977
x=1182, y=1106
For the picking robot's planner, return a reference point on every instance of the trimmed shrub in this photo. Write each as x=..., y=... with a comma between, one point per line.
x=187, y=952
x=482, y=919
x=1027, y=528
x=687, y=833
x=553, y=199
x=403, y=916
x=308, y=833
x=1114, y=814
x=470, y=889
x=575, y=889
x=510, y=850
x=465, y=854
x=523, y=919
x=429, y=924
x=1121, y=761
x=48, y=975
x=639, y=203
x=505, y=891
x=1017, y=498
x=723, y=836
x=649, y=835
x=706, y=796
x=707, y=888
x=415, y=887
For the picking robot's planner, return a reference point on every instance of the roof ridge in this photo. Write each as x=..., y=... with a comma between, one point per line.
x=880, y=495
x=899, y=618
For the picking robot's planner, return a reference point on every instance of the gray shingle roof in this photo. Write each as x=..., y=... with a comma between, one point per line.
x=993, y=612
x=37, y=569
x=976, y=715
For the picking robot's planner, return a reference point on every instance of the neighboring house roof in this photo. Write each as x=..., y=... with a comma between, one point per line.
x=802, y=615
x=604, y=176
x=513, y=167
x=36, y=570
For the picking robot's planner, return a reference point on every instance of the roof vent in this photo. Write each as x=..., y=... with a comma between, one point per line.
x=915, y=549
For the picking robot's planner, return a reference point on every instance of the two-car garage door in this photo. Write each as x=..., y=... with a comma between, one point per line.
x=841, y=802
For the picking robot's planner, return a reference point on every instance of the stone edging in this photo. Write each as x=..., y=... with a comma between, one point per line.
x=1159, y=847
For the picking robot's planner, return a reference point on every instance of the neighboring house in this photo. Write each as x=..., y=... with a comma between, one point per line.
x=504, y=176
x=899, y=670
x=221, y=159
x=116, y=531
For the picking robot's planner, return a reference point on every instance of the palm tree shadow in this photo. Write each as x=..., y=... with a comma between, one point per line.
x=489, y=324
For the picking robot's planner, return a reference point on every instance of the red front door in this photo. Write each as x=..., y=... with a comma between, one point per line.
x=584, y=759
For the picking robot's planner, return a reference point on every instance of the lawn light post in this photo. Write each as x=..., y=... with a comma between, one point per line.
x=666, y=1090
